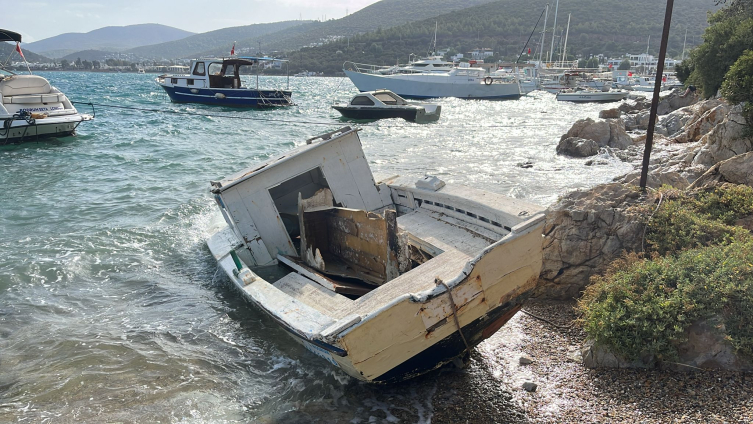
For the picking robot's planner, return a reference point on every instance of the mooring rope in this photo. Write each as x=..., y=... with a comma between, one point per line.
x=287, y=121
x=438, y=281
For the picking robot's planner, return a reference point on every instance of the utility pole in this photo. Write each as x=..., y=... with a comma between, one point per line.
x=655, y=100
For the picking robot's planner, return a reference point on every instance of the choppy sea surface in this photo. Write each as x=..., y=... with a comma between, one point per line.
x=111, y=306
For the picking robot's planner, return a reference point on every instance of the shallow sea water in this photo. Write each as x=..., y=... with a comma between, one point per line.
x=111, y=306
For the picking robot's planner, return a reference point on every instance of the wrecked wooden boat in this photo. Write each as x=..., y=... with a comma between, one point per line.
x=385, y=280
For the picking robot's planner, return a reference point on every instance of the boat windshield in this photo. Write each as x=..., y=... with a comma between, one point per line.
x=390, y=99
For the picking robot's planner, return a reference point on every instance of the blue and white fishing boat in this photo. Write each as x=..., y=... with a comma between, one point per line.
x=217, y=81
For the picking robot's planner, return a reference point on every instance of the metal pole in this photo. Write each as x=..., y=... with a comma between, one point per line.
x=657, y=89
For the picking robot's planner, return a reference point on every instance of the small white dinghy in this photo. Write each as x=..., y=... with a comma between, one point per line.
x=30, y=108
x=385, y=280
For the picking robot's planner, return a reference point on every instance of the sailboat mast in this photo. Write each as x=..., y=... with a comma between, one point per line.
x=543, y=34
x=554, y=29
x=434, y=49
x=564, y=49
x=683, y=44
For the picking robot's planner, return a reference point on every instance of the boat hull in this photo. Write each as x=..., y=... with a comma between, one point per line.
x=428, y=86
x=377, y=113
x=241, y=98
x=21, y=131
x=601, y=97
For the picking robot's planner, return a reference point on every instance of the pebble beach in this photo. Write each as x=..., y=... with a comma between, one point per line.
x=491, y=389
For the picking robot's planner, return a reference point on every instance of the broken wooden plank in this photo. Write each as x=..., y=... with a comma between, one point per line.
x=342, y=287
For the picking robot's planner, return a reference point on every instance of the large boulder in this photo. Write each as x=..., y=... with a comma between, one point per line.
x=736, y=170
x=674, y=101
x=637, y=121
x=584, y=232
x=609, y=133
x=618, y=138
x=578, y=147
x=613, y=113
x=726, y=140
x=637, y=105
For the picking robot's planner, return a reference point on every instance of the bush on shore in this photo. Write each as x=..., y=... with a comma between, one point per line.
x=701, y=267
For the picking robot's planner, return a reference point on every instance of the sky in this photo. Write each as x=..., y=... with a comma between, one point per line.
x=37, y=20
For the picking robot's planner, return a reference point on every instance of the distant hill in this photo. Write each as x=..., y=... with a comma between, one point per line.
x=8, y=49
x=384, y=14
x=610, y=27
x=89, y=55
x=112, y=38
x=220, y=40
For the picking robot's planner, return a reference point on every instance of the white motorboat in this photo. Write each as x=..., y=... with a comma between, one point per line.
x=383, y=104
x=461, y=82
x=385, y=280
x=579, y=95
x=30, y=108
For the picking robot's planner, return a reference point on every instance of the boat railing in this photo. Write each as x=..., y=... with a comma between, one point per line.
x=364, y=68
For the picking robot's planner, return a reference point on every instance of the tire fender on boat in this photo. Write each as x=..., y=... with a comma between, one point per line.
x=488, y=80
x=219, y=96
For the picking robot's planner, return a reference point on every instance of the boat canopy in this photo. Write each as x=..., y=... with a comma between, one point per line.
x=6, y=35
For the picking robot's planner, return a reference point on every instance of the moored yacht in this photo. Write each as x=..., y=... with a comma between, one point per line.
x=31, y=108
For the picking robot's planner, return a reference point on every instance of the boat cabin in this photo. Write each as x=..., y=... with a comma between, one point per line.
x=217, y=73
x=378, y=98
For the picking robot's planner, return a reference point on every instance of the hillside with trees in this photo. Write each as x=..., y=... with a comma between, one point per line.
x=608, y=27
x=383, y=14
x=219, y=41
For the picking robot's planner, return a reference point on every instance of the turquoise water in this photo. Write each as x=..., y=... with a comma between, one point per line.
x=111, y=308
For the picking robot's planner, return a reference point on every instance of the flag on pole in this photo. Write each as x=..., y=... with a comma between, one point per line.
x=18, y=49
x=232, y=51
x=610, y=66
x=529, y=50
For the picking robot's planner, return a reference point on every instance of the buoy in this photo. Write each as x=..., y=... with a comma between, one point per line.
x=219, y=96
x=194, y=90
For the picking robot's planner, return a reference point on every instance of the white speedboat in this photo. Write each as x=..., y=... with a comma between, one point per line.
x=30, y=108
x=385, y=280
x=591, y=96
x=461, y=82
x=383, y=104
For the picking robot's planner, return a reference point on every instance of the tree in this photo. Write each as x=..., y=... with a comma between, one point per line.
x=729, y=35
x=738, y=84
x=65, y=64
x=624, y=65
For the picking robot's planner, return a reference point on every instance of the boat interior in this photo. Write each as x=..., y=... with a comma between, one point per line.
x=347, y=258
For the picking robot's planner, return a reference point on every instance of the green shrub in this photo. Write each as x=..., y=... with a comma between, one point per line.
x=738, y=84
x=701, y=266
x=685, y=222
x=643, y=307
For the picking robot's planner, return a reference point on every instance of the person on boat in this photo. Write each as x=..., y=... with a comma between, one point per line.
x=689, y=90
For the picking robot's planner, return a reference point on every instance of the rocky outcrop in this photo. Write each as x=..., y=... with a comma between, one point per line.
x=584, y=232
x=674, y=101
x=726, y=140
x=736, y=170
x=697, y=121
x=613, y=113
x=577, y=147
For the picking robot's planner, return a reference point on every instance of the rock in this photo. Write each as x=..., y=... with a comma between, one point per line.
x=618, y=138
x=726, y=140
x=657, y=179
x=529, y=386
x=598, y=356
x=673, y=101
x=613, y=113
x=736, y=170
x=584, y=232
x=706, y=347
x=524, y=360
x=525, y=165
x=597, y=131
x=578, y=147
x=701, y=122
x=639, y=104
